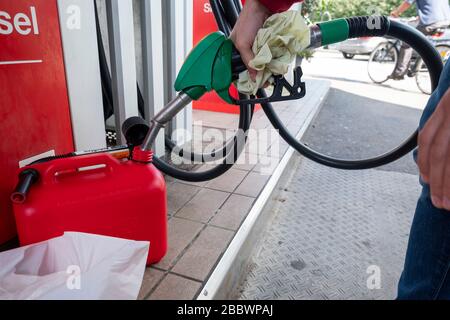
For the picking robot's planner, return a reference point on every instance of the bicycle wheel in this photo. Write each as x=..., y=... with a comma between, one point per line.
x=423, y=80
x=382, y=62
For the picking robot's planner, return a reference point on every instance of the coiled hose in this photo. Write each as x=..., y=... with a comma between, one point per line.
x=230, y=151
x=226, y=13
x=364, y=27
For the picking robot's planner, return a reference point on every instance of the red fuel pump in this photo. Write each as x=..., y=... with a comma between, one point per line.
x=205, y=24
x=34, y=106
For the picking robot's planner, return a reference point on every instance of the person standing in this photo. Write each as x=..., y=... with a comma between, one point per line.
x=426, y=273
x=433, y=15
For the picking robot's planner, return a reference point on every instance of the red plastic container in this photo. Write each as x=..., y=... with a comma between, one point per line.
x=123, y=199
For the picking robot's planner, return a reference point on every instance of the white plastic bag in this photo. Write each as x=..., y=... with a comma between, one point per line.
x=73, y=267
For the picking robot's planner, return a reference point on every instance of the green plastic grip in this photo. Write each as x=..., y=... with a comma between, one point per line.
x=207, y=68
x=334, y=31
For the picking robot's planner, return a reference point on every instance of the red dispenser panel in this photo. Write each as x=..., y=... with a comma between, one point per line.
x=204, y=24
x=34, y=106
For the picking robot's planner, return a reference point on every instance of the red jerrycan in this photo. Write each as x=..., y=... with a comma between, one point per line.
x=96, y=194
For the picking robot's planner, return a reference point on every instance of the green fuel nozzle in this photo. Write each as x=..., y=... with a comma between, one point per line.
x=208, y=68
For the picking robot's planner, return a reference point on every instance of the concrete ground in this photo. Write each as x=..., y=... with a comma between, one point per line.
x=204, y=217
x=331, y=229
x=317, y=246
x=351, y=76
x=361, y=119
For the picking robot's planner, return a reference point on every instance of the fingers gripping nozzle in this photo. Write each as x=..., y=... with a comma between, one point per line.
x=214, y=64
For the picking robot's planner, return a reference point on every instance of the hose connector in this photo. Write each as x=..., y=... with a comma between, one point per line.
x=339, y=30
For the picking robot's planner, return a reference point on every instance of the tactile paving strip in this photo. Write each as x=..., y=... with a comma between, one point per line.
x=329, y=227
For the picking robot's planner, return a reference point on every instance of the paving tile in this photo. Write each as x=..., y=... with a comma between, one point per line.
x=216, y=120
x=204, y=167
x=151, y=278
x=229, y=181
x=233, y=212
x=178, y=194
x=246, y=162
x=266, y=165
x=260, y=123
x=281, y=150
x=174, y=287
x=195, y=184
x=169, y=179
x=200, y=258
x=293, y=128
x=275, y=141
x=203, y=206
x=260, y=141
x=181, y=233
x=252, y=184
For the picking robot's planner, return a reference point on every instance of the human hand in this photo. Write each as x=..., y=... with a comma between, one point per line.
x=434, y=154
x=395, y=14
x=252, y=18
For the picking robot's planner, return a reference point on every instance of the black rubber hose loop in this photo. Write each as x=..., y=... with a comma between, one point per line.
x=227, y=163
x=246, y=114
x=394, y=29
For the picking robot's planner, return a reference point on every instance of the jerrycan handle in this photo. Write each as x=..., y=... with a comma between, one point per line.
x=75, y=163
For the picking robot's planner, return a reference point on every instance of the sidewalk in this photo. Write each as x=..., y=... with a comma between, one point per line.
x=330, y=231
x=205, y=217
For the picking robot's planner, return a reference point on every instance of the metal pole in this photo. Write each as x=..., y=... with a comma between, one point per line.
x=153, y=63
x=123, y=61
x=164, y=117
x=82, y=73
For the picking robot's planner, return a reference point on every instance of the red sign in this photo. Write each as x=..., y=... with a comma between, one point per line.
x=204, y=24
x=34, y=106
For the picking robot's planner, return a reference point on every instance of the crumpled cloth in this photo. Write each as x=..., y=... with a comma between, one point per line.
x=282, y=38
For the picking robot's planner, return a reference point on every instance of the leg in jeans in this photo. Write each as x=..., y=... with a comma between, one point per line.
x=426, y=272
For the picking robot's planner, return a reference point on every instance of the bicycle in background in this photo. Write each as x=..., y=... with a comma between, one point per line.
x=383, y=60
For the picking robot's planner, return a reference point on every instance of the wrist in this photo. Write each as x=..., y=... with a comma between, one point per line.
x=258, y=7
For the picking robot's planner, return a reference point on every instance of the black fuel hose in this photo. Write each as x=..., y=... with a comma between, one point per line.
x=226, y=13
x=225, y=23
x=226, y=164
x=231, y=150
x=359, y=27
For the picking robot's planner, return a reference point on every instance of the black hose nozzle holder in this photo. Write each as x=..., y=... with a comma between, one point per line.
x=226, y=13
x=296, y=91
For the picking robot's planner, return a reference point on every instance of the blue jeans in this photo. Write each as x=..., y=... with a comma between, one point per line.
x=426, y=274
